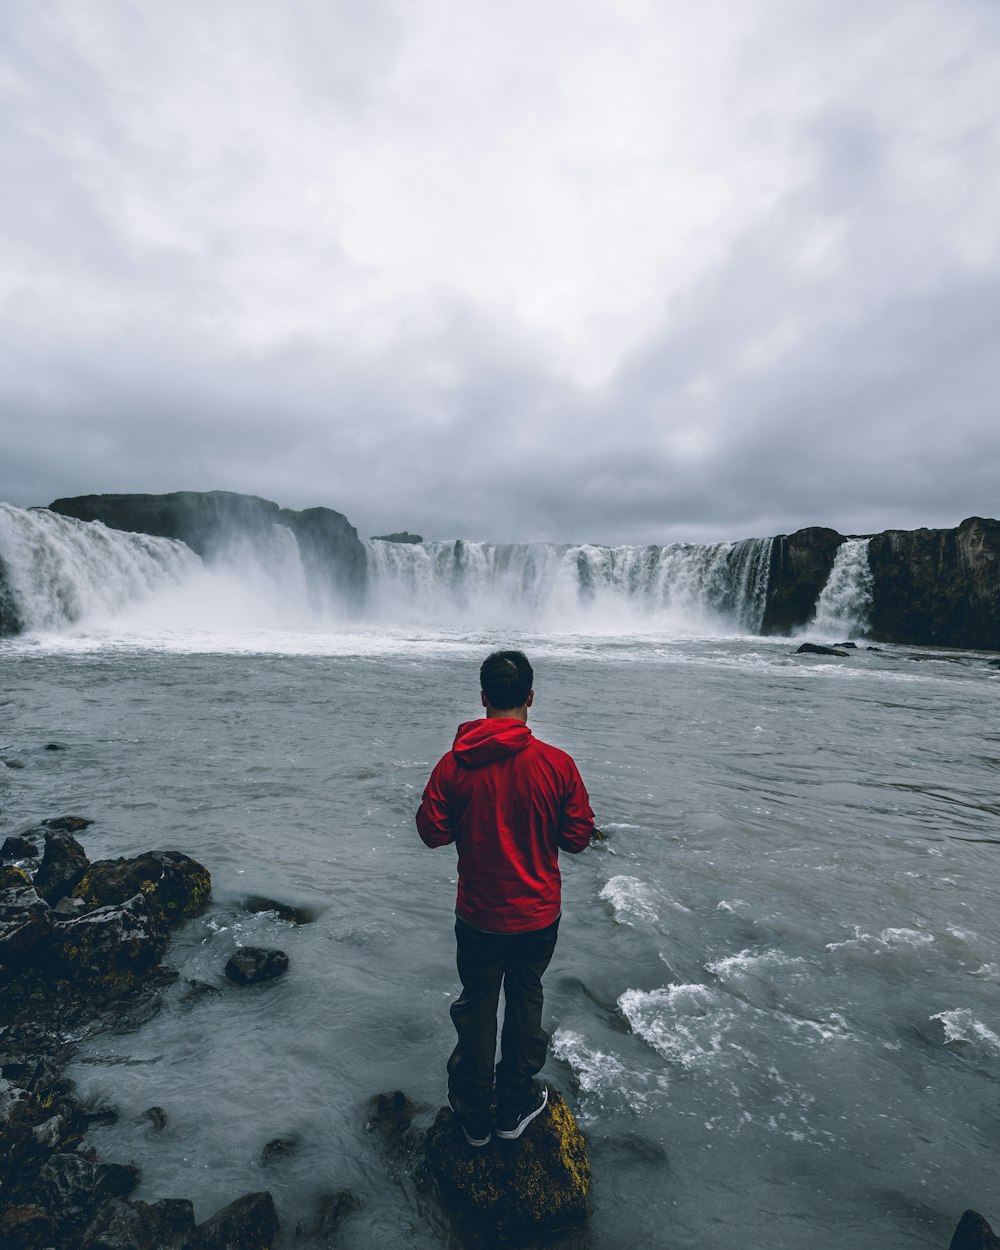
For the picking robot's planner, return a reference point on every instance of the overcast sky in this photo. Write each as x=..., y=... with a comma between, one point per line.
x=597, y=270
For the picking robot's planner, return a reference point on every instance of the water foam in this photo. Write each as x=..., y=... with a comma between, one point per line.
x=845, y=601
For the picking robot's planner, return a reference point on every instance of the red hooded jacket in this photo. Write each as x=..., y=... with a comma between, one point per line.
x=510, y=802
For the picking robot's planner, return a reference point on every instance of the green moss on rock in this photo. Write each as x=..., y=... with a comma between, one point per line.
x=514, y=1191
x=174, y=885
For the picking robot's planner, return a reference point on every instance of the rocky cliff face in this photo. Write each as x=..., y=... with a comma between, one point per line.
x=10, y=618
x=800, y=565
x=210, y=521
x=938, y=587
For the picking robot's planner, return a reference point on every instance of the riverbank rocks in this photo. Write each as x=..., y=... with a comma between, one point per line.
x=64, y=862
x=249, y=1223
x=973, y=1233
x=25, y=918
x=175, y=886
x=110, y=946
x=517, y=1191
x=250, y=965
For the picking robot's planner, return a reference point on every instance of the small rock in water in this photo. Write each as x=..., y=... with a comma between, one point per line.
x=56, y=746
x=284, y=911
x=333, y=1210
x=67, y=824
x=973, y=1233
x=156, y=1116
x=533, y=1187
x=252, y=964
x=9, y=763
x=278, y=1148
x=814, y=648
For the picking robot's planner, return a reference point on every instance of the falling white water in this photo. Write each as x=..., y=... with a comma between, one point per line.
x=719, y=586
x=845, y=601
x=59, y=570
x=57, y=573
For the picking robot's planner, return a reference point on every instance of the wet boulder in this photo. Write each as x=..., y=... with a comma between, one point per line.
x=517, y=1191
x=21, y=1114
x=251, y=965
x=123, y=1225
x=71, y=1187
x=973, y=1233
x=284, y=911
x=26, y=1226
x=18, y=847
x=815, y=648
x=174, y=885
x=249, y=1223
x=110, y=946
x=63, y=864
x=25, y=918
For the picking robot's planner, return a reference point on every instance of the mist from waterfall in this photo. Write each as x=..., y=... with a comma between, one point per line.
x=62, y=574
x=844, y=603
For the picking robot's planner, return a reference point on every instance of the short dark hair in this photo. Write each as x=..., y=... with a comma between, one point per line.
x=506, y=678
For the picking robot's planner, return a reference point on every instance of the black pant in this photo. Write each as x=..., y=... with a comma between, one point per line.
x=485, y=962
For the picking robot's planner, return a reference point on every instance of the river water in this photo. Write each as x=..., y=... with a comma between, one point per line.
x=774, y=1001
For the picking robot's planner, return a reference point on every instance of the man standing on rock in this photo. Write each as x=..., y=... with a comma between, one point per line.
x=510, y=803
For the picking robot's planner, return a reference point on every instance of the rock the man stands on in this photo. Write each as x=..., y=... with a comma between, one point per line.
x=510, y=803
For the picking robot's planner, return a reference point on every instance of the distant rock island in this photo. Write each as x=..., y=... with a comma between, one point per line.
x=929, y=587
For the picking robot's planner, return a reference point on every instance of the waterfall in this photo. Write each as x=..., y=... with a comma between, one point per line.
x=55, y=570
x=721, y=585
x=845, y=601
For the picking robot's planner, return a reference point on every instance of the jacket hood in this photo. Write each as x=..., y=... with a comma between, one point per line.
x=479, y=742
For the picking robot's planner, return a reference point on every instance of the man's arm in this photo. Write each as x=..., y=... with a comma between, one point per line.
x=576, y=825
x=434, y=822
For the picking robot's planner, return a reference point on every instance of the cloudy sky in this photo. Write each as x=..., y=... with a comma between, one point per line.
x=601, y=270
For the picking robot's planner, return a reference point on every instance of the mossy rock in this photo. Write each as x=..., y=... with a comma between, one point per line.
x=110, y=947
x=175, y=886
x=515, y=1191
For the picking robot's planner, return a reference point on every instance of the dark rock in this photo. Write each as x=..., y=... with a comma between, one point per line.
x=515, y=1191
x=973, y=1233
x=391, y=1119
x=403, y=536
x=993, y=663
x=174, y=885
x=332, y=555
x=63, y=864
x=11, y=622
x=122, y=1225
x=16, y=847
x=55, y=746
x=67, y=824
x=69, y=907
x=814, y=648
x=333, y=1210
x=849, y=646
x=800, y=566
x=25, y=919
x=249, y=1223
x=284, y=911
x=109, y=947
x=278, y=1148
x=9, y=763
x=72, y=1186
x=20, y=1114
x=252, y=964
x=195, y=991
x=156, y=1116
x=938, y=587
x=27, y=1227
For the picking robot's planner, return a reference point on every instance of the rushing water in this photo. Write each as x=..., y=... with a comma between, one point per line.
x=774, y=999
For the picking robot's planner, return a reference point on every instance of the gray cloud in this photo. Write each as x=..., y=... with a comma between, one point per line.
x=525, y=283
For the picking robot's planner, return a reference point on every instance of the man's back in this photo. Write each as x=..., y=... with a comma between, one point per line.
x=509, y=802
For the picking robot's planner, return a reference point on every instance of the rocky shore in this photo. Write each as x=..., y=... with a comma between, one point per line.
x=82, y=947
